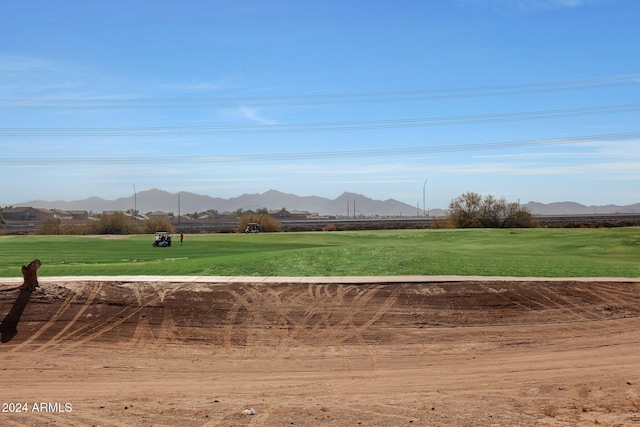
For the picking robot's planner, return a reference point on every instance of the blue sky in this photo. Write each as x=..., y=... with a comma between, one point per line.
x=531, y=100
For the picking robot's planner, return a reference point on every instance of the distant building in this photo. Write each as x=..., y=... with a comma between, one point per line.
x=79, y=215
x=284, y=214
x=158, y=215
x=70, y=215
x=106, y=213
x=27, y=214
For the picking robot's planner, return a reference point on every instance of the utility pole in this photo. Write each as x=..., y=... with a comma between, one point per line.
x=135, y=204
x=424, y=199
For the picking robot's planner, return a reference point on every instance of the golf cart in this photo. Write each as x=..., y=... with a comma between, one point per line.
x=162, y=239
x=252, y=227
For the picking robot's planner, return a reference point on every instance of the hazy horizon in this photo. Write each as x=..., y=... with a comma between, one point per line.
x=142, y=194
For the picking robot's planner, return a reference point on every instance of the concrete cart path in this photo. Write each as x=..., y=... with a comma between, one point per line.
x=315, y=279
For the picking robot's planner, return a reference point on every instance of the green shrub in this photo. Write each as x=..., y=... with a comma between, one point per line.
x=116, y=223
x=48, y=226
x=73, y=229
x=153, y=225
x=471, y=210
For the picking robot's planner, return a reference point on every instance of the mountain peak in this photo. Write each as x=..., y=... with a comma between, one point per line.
x=351, y=196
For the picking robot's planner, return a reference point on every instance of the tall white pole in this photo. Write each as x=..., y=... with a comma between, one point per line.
x=135, y=203
x=424, y=204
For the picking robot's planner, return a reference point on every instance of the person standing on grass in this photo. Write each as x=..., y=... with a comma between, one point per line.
x=181, y=238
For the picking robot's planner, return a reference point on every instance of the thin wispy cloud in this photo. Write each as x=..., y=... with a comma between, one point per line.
x=524, y=6
x=613, y=170
x=620, y=149
x=35, y=76
x=208, y=86
x=588, y=149
x=25, y=64
x=44, y=78
x=254, y=115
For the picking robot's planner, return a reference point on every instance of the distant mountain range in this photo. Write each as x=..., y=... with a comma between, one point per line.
x=186, y=202
x=573, y=208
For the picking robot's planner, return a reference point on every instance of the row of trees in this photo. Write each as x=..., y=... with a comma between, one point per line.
x=119, y=223
x=116, y=223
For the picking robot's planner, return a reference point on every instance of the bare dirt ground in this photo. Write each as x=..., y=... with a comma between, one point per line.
x=479, y=353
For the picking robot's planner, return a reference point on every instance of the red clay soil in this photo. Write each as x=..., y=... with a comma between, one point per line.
x=429, y=354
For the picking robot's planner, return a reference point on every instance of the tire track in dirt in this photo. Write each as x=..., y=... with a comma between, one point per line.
x=492, y=291
x=228, y=330
x=379, y=411
x=63, y=307
x=608, y=304
x=608, y=294
x=70, y=420
x=164, y=291
x=231, y=319
x=142, y=335
x=292, y=319
x=34, y=418
x=92, y=330
x=337, y=324
x=382, y=309
x=109, y=324
x=352, y=330
x=578, y=302
x=261, y=315
x=253, y=302
x=87, y=303
x=535, y=302
x=348, y=326
x=554, y=300
x=573, y=304
x=256, y=420
x=328, y=332
x=321, y=313
x=357, y=331
x=295, y=330
x=168, y=330
x=331, y=332
x=300, y=313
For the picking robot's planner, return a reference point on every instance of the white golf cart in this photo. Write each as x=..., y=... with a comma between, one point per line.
x=252, y=227
x=162, y=239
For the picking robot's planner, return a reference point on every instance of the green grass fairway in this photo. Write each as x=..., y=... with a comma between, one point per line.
x=485, y=252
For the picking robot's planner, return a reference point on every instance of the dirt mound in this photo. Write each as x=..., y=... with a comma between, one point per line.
x=462, y=353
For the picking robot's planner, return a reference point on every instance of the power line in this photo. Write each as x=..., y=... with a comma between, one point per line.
x=316, y=99
x=322, y=126
x=408, y=151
